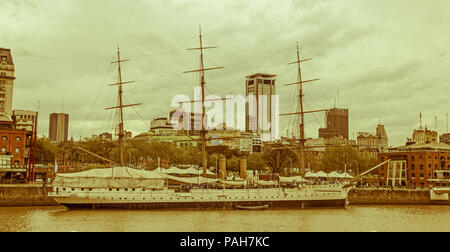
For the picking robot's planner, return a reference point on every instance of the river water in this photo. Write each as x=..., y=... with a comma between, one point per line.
x=353, y=218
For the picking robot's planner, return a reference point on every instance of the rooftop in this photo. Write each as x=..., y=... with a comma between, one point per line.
x=264, y=75
x=7, y=53
x=428, y=146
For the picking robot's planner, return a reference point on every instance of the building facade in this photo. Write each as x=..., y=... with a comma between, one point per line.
x=58, y=130
x=191, y=123
x=258, y=113
x=336, y=121
x=445, y=138
x=421, y=136
x=373, y=143
x=413, y=165
x=13, y=142
x=6, y=81
x=24, y=119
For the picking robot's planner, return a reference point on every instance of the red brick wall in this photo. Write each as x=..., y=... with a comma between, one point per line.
x=11, y=144
x=429, y=160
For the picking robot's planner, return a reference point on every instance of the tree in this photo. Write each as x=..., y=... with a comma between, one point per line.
x=255, y=161
x=233, y=163
x=336, y=158
x=277, y=156
x=313, y=161
x=45, y=151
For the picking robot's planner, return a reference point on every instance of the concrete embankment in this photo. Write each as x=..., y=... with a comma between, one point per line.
x=387, y=196
x=25, y=195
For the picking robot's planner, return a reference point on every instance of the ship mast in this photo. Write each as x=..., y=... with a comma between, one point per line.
x=301, y=152
x=120, y=106
x=202, y=84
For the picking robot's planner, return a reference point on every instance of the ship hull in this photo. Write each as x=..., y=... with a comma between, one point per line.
x=308, y=197
x=288, y=204
x=208, y=205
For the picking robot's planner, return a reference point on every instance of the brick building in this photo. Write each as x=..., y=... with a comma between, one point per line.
x=12, y=141
x=413, y=165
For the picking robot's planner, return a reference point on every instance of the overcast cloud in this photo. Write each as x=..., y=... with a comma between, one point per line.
x=385, y=60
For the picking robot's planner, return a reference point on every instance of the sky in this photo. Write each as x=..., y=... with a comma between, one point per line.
x=386, y=61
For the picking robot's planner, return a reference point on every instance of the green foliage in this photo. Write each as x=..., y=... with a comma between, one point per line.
x=336, y=158
x=313, y=161
x=45, y=151
x=233, y=164
x=277, y=156
x=255, y=161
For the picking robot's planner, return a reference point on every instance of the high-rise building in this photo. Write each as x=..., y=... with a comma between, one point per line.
x=336, y=121
x=262, y=86
x=6, y=81
x=59, y=127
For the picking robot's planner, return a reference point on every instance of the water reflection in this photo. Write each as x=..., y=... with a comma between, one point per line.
x=354, y=218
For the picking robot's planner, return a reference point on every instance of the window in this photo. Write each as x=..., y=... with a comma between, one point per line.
x=3, y=149
x=2, y=74
x=18, y=139
x=3, y=58
x=4, y=138
x=17, y=150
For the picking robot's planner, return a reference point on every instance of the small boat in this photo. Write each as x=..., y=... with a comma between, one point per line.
x=253, y=207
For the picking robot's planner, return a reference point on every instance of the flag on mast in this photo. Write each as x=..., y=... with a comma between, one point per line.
x=56, y=166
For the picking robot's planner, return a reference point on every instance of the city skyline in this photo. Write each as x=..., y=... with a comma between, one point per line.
x=381, y=59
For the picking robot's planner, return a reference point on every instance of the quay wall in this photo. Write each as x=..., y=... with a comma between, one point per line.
x=387, y=196
x=25, y=195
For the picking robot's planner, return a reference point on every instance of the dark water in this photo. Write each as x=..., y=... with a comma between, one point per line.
x=353, y=218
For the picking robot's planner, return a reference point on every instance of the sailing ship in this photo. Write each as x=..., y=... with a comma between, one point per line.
x=126, y=188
